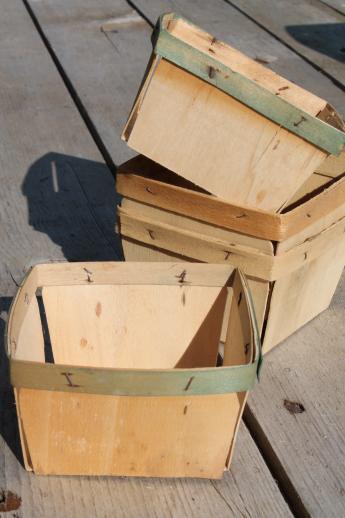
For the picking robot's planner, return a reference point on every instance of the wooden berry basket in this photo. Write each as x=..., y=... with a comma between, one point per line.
x=227, y=123
x=114, y=367
x=293, y=261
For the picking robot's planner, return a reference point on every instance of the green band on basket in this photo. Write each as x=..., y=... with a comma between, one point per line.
x=132, y=382
x=245, y=90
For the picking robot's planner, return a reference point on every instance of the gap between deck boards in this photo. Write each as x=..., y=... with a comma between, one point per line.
x=274, y=465
x=73, y=93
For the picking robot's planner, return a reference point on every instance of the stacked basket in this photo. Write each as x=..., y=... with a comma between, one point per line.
x=240, y=167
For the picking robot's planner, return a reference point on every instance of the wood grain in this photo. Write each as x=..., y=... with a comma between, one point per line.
x=69, y=28
x=106, y=333
x=307, y=369
x=242, y=169
x=137, y=251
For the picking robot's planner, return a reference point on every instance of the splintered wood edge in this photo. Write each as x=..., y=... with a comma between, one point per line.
x=127, y=382
x=273, y=107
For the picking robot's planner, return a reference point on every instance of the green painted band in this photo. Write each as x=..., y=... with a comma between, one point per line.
x=130, y=382
x=248, y=92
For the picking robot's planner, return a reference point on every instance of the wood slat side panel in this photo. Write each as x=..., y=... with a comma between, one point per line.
x=249, y=178
x=318, y=212
x=108, y=435
x=134, y=326
x=202, y=248
x=147, y=498
x=122, y=273
x=139, y=179
x=323, y=128
x=200, y=206
x=303, y=294
x=207, y=249
x=136, y=251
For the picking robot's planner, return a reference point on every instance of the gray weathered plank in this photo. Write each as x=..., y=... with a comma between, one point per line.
x=57, y=195
x=338, y=5
x=57, y=202
x=309, y=369
x=105, y=67
x=311, y=28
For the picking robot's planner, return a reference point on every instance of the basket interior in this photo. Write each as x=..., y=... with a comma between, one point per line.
x=126, y=326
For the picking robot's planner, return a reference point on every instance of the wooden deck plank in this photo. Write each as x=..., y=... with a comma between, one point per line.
x=57, y=202
x=311, y=28
x=248, y=490
x=49, y=165
x=308, y=369
x=230, y=25
x=105, y=67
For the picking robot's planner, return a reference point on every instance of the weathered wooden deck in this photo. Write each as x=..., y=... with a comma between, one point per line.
x=66, y=87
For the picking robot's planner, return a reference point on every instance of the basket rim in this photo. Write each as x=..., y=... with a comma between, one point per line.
x=282, y=112
x=129, y=381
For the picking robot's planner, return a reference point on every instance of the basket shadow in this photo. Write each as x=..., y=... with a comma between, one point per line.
x=326, y=38
x=73, y=201
x=8, y=417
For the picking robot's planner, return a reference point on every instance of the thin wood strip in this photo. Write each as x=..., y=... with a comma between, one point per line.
x=313, y=247
x=307, y=213
x=280, y=111
x=208, y=208
x=197, y=246
x=200, y=206
x=194, y=245
x=133, y=382
x=130, y=382
x=111, y=272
